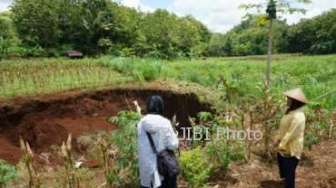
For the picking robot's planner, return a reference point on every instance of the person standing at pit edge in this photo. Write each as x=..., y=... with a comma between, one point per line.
x=155, y=131
x=289, y=140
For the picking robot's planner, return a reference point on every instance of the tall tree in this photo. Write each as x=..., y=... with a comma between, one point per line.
x=273, y=9
x=36, y=21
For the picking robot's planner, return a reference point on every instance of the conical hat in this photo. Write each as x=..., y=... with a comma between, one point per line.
x=296, y=94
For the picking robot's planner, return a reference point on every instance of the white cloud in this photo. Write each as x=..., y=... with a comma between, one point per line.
x=313, y=9
x=4, y=4
x=218, y=15
x=137, y=4
x=222, y=15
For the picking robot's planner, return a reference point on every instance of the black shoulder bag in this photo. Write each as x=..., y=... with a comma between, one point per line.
x=166, y=160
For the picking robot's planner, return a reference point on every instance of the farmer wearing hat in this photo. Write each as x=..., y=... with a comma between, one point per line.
x=289, y=140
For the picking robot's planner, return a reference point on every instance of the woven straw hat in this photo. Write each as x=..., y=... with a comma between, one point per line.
x=296, y=94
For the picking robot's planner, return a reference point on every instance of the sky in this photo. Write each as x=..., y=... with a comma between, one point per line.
x=218, y=15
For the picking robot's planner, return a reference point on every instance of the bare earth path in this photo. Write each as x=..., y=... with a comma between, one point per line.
x=316, y=170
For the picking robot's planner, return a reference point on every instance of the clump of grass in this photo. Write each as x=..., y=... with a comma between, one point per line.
x=139, y=70
x=7, y=173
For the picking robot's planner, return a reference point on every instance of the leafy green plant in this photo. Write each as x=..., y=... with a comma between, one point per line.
x=7, y=173
x=195, y=167
x=222, y=153
x=124, y=172
x=4, y=46
x=310, y=139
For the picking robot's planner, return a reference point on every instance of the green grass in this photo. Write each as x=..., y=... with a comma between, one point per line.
x=315, y=74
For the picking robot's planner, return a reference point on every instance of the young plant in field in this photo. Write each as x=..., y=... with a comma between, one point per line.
x=28, y=156
x=71, y=180
x=310, y=140
x=195, y=167
x=103, y=146
x=124, y=172
x=223, y=152
x=267, y=109
x=108, y=155
x=7, y=173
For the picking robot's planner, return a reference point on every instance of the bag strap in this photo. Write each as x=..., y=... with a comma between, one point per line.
x=151, y=142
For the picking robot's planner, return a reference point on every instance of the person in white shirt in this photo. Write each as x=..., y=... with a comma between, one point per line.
x=164, y=137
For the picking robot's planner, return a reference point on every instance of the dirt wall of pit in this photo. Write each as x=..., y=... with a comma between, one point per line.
x=47, y=120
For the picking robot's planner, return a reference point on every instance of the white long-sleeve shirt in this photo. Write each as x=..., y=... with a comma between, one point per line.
x=163, y=136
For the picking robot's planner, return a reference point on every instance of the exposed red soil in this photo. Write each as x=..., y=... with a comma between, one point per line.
x=47, y=120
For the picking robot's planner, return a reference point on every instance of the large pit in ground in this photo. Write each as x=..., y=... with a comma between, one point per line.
x=47, y=120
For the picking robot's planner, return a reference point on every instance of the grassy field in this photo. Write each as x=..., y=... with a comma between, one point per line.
x=243, y=75
x=238, y=79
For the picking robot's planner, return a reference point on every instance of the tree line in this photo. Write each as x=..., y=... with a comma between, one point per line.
x=94, y=27
x=310, y=36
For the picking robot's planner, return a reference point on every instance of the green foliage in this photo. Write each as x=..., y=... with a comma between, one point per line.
x=4, y=46
x=316, y=35
x=271, y=9
x=310, y=139
x=103, y=26
x=195, y=167
x=242, y=75
x=221, y=153
x=7, y=173
x=135, y=68
x=248, y=38
x=124, y=172
x=205, y=116
x=8, y=36
x=36, y=21
x=164, y=35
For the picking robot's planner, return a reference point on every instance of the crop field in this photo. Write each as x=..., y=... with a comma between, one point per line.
x=78, y=77
x=44, y=100
x=315, y=74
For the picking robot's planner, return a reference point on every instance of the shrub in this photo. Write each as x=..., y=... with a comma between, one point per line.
x=4, y=46
x=144, y=70
x=124, y=172
x=222, y=153
x=147, y=71
x=310, y=140
x=195, y=167
x=7, y=173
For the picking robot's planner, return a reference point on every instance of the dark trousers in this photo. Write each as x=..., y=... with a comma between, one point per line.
x=287, y=167
x=168, y=182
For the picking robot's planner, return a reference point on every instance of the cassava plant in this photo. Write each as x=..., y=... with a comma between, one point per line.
x=124, y=172
x=261, y=111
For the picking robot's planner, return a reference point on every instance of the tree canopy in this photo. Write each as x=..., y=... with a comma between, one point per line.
x=52, y=27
